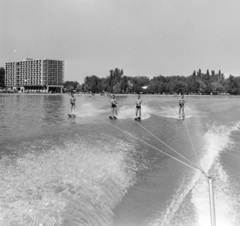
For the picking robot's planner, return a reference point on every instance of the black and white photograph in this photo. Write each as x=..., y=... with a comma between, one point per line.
x=119, y=113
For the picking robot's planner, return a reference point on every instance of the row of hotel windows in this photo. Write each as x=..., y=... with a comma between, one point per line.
x=23, y=68
x=34, y=83
x=34, y=67
x=28, y=62
x=52, y=65
x=24, y=64
x=30, y=82
x=20, y=80
x=34, y=70
x=32, y=75
x=28, y=68
x=34, y=79
x=27, y=78
x=10, y=76
x=28, y=72
x=38, y=63
x=52, y=62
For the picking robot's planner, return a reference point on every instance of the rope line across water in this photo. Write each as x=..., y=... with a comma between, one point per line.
x=170, y=147
x=194, y=168
x=193, y=146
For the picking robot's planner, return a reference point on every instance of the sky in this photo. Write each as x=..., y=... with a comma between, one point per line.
x=142, y=37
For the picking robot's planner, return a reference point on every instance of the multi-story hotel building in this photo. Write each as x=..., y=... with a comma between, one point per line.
x=30, y=75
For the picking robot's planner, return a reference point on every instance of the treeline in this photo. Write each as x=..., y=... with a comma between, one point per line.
x=196, y=83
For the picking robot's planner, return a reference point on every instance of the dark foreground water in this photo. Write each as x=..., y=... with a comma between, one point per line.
x=91, y=170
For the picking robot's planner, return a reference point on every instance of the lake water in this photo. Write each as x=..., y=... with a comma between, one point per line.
x=90, y=170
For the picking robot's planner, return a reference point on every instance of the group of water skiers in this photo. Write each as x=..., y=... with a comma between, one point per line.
x=114, y=108
x=138, y=106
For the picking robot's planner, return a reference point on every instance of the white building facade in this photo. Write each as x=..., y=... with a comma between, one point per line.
x=45, y=75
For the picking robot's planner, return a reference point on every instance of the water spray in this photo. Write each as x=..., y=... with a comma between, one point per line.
x=192, y=166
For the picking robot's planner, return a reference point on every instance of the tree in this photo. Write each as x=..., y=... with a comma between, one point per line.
x=157, y=84
x=72, y=84
x=138, y=82
x=105, y=84
x=194, y=73
x=179, y=87
x=217, y=88
x=199, y=73
x=233, y=85
x=124, y=84
x=206, y=77
x=79, y=88
x=201, y=86
x=213, y=73
x=115, y=77
x=130, y=86
x=93, y=83
x=117, y=88
x=198, y=82
x=85, y=87
x=207, y=73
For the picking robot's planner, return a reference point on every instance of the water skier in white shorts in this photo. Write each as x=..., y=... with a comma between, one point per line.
x=72, y=102
x=138, y=108
x=114, y=106
x=181, y=107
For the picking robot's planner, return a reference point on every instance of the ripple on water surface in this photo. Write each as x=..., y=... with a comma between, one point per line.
x=77, y=183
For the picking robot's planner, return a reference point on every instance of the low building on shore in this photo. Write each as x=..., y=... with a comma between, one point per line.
x=28, y=75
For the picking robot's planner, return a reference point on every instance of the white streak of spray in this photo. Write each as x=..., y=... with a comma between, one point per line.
x=216, y=140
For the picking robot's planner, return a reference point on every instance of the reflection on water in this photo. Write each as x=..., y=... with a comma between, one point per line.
x=23, y=115
x=53, y=110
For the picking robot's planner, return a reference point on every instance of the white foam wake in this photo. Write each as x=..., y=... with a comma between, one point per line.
x=88, y=110
x=216, y=140
x=173, y=112
x=76, y=183
x=124, y=112
x=128, y=112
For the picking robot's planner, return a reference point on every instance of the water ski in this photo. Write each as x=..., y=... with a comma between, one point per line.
x=182, y=117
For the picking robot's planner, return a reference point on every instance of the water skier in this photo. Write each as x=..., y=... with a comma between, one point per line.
x=138, y=108
x=181, y=107
x=114, y=106
x=72, y=102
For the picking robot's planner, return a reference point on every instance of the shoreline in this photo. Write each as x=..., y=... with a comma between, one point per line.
x=87, y=94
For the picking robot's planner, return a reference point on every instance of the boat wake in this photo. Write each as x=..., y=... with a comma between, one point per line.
x=173, y=112
x=76, y=183
x=190, y=205
x=128, y=112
